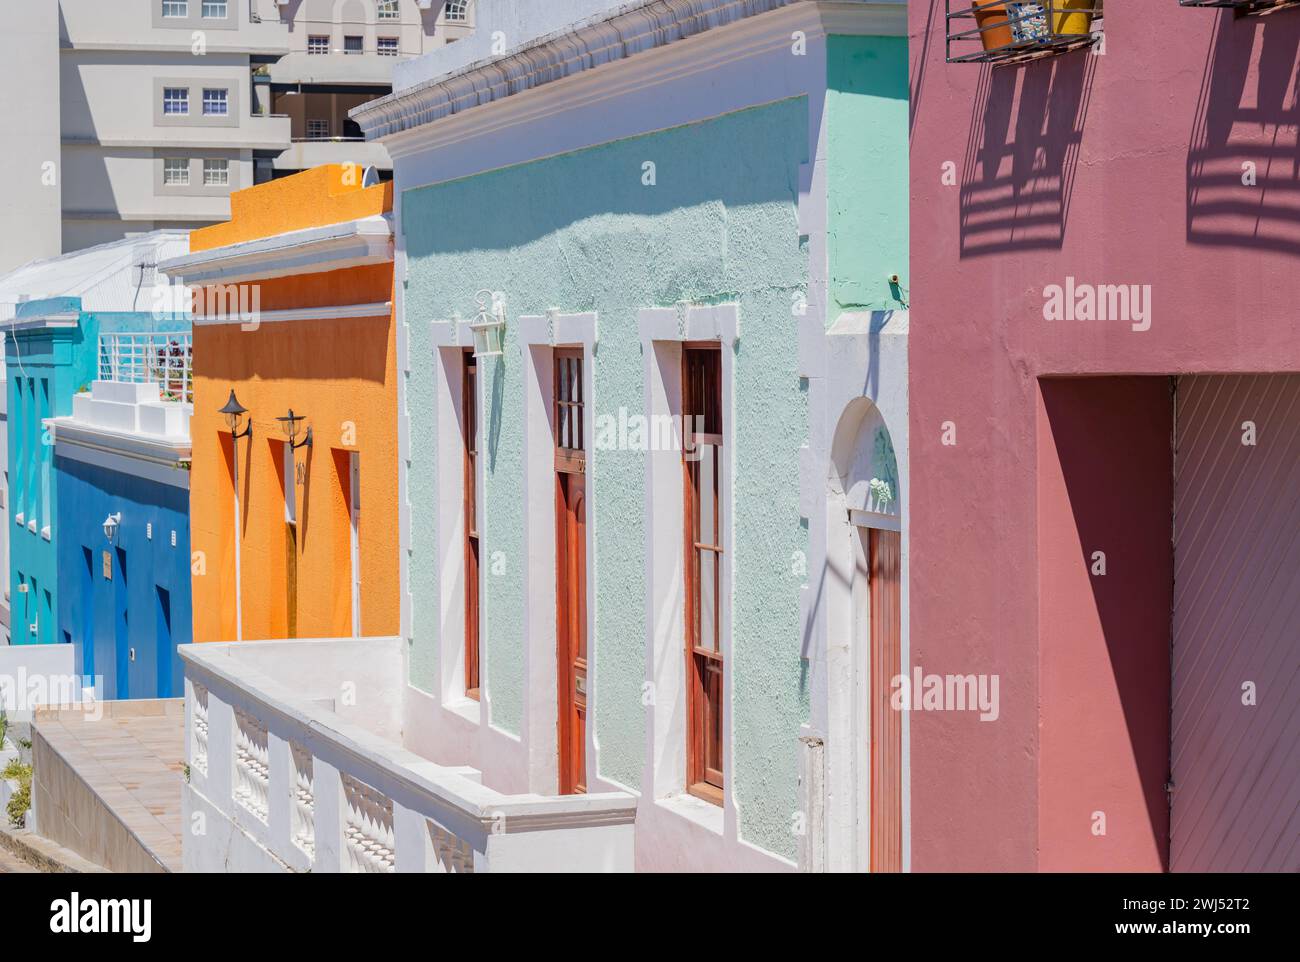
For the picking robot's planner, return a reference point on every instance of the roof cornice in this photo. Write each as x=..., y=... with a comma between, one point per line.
x=368, y=240
x=627, y=32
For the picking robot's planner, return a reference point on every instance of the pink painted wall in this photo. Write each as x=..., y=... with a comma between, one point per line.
x=1117, y=169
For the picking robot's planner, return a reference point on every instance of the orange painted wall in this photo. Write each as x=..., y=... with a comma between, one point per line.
x=341, y=375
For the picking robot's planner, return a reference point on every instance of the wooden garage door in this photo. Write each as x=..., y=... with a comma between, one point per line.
x=1235, y=803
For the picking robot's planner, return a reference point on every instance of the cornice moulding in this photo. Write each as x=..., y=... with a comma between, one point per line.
x=754, y=26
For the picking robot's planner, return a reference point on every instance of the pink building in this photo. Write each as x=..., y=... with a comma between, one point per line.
x=1105, y=445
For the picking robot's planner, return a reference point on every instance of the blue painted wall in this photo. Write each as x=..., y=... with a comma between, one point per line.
x=46, y=367
x=145, y=603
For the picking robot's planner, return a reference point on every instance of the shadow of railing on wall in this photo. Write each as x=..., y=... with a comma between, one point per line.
x=1026, y=128
x=1243, y=158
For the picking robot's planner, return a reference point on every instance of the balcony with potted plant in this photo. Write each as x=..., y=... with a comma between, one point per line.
x=1007, y=31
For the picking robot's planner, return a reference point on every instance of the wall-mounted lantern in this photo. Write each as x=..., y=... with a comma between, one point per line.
x=233, y=411
x=111, y=524
x=489, y=324
x=290, y=424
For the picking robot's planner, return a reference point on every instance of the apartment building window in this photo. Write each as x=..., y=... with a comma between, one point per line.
x=388, y=10
x=469, y=429
x=176, y=172
x=456, y=11
x=216, y=172
x=702, y=459
x=353, y=45
x=318, y=44
x=386, y=46
x=176, y=100
x=318, y=130
x=214, y=9
x=176, y=8
x=216, y=101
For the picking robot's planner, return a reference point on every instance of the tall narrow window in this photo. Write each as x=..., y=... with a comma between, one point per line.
x=469, y=430
x=571, y=568
x=702, y=458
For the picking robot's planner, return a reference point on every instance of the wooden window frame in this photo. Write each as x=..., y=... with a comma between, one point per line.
x=469, y=504
x=705, y=666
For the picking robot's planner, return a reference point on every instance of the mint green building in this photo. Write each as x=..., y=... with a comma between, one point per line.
x=652, y=276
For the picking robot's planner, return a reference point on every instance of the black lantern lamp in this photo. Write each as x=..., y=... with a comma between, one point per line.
x=290, y=423
x=233, y=411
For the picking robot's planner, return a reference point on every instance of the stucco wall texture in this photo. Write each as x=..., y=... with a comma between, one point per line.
x=1148, y=165
x=582, y=232
x=337, y=373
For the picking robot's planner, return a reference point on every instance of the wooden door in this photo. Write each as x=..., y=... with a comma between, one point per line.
x=886, y=721
x=571, y=570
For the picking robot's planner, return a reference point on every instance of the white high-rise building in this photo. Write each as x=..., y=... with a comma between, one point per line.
x=166, y=106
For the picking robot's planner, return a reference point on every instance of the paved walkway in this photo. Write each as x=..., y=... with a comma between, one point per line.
x=132, y=762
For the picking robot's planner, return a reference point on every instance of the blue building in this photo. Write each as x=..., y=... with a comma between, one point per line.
x=121, y=463
x=97, y=390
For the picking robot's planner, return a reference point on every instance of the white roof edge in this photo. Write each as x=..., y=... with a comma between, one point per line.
x=364, y=240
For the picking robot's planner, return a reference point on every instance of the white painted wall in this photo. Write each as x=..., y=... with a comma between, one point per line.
x=29, y=62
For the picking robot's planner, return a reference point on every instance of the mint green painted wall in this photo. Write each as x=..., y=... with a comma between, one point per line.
x=582, y=233
x=866, y=172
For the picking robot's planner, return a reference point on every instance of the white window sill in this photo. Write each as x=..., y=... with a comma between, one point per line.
x=466, y=708
x=31, y=526
x=696, y=810
x=18, y=520
x=45, y=532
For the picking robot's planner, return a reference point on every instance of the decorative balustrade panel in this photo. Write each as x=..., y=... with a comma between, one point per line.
x=303, y=811
x=368, y=828
x=199, y=726
x=252, y=766
x=450, y=853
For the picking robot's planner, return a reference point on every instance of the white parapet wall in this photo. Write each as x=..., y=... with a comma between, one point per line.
x=33, y=676
x=295, y=764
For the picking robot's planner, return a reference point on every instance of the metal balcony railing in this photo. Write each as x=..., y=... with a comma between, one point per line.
x=1243, y=6
x=1013, y=31
x=164, y=358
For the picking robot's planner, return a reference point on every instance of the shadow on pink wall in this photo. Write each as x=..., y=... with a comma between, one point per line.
x=1105, y=504
x=1022, y=149
x=1243, y=162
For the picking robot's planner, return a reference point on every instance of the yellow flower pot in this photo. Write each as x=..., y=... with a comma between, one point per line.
x=1073, y=17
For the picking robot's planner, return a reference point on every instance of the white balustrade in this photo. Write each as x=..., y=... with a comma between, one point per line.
x=330, y=788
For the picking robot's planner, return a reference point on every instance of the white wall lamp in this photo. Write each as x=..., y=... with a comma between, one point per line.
x=111, y=524
x=489, y=324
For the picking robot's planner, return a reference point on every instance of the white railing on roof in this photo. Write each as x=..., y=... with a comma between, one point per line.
x=162, y=357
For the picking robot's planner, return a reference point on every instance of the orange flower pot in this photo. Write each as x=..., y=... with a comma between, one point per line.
x=994, y=17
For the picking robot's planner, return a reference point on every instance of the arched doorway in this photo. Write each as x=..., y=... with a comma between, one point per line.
x=865, y=530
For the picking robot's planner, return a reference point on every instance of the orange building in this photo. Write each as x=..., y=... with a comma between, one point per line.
x=293, y=492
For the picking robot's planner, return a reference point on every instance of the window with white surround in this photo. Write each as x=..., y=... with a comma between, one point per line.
x=388, y=10
x=216, y=172
x=175, y=8
x=318, y=129
x=318, y=44
x=216, y=101
x=214, y=9
x=456, y=11
x=176, y=100
x=386, y=46
x=176, y=172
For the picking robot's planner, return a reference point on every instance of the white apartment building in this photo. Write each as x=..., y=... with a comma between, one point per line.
x=341, y=55
x=29, y=53
x=166, y=106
